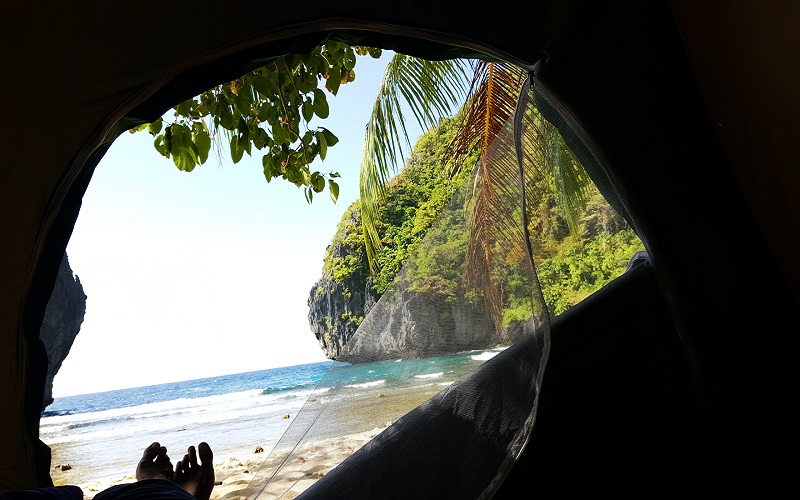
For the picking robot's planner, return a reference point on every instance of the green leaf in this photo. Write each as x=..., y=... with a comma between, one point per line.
x=308, y=110
x=330, y=139
x=184, y=161
x=155, y=127
x=175, y=135
x=317, y=182
x=184, y=108
x=191, y=150
x=280, y=134
x=160, y=145
x=241, y=104
x=309, y=195
x=263, y=112
x=302, y=82
x=323, y=146
x=334, y=189
x=260, y=138
x=268, y=161
x=225, y=116
x=334, y=79
x=168, y=141
x=236, y=151
x=320, y=104
x=203, y=142
x=349, y=59
x=242, y=127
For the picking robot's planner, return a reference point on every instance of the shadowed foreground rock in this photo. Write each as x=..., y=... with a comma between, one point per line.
x=62, y=322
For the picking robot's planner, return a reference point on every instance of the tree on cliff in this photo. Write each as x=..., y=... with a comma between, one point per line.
x=421, y=222
x=490, y=105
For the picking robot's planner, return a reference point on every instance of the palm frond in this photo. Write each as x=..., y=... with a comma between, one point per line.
x=430, y=89
x=559, y=165
x=487, y=127
x=491, y=102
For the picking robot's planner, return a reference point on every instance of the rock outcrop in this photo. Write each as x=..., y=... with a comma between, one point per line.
x=407, y=324
x=335, y=310
x=402, y=324
x=420, y=305
x=62, y=322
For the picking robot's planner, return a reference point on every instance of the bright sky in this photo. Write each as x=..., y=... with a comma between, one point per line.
x=190, y=275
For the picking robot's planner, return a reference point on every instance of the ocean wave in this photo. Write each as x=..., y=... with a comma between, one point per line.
x=283, y=388
x=429, y=375
x=486, y=355
x=56, y=413
x=366, y=385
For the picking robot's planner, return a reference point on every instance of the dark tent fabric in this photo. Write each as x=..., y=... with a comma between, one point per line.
x=694, y=106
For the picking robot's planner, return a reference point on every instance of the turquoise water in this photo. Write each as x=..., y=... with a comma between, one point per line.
x=102, y=435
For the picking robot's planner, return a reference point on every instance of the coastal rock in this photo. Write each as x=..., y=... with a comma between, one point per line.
x=424, y=308
x=336, y=309
x=401, y=324
x=62, y=322
x=408, y=324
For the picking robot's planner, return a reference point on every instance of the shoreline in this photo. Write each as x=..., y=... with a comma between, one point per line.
x=240, y=478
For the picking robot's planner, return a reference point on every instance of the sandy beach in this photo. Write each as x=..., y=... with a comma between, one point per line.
x=243, y=477
x=98, y=449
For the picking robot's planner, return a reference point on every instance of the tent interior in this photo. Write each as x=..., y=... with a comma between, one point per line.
x=678, y=376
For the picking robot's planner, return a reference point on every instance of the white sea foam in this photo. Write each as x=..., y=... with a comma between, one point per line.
x=168, y=416
x=429, y=375
x=366, y=385
x=485, y=355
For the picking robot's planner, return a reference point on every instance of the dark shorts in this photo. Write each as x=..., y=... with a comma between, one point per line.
x=153, y=489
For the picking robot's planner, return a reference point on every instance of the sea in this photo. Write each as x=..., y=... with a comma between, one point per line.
x=101, y=436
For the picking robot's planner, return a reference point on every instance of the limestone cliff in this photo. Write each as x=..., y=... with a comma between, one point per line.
x=412, y=324
x=339, y=301
x=62, y=322
x=421, y=306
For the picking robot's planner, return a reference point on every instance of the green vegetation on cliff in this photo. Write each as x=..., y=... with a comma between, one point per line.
x=422, y=201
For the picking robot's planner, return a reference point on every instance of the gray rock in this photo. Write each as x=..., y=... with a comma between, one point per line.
x=62, y=322
x=407, y=324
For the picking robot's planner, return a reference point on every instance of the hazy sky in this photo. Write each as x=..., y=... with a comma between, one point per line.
x=205, y=273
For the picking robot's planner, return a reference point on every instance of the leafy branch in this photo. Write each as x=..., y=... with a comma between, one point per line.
x=267, y=110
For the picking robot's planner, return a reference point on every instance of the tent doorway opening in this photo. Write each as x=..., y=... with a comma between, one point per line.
x=198, y=290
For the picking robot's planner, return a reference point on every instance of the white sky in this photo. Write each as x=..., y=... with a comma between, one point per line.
x=190, y=275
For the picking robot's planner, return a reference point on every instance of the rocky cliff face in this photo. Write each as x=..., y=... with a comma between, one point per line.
x=335, y=310
x=62, y=322
x=408, y=324
x=402, y=324
x=425, y=310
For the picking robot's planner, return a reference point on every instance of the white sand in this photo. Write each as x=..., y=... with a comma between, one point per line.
x=307, y=463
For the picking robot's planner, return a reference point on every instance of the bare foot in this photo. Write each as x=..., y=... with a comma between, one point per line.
x=155, y=463
x=196, y=478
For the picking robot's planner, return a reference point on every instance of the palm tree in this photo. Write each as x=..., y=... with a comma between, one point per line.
x=431, y=89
